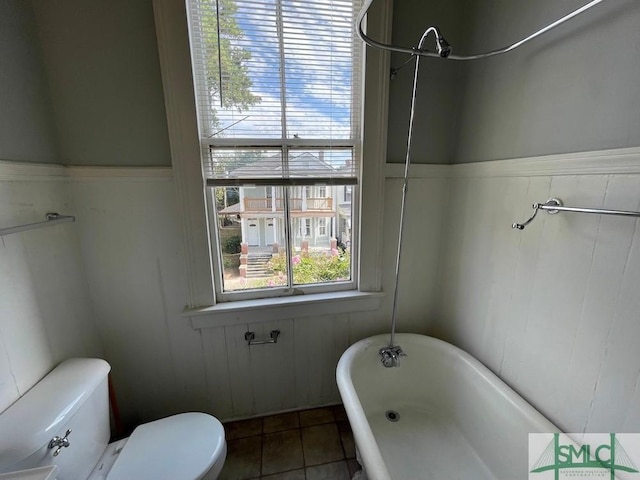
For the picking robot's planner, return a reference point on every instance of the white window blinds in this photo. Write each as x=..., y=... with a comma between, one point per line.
x=278, y=90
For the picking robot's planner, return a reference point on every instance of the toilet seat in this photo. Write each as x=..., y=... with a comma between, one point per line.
x=183, y=446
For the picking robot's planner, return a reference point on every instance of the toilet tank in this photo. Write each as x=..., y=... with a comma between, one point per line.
x=73, y=396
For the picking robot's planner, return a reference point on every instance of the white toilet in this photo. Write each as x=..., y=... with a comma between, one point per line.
x=74, y=396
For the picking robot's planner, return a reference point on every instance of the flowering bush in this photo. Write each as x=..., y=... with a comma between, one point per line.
x=241, y=283
x=314, y=267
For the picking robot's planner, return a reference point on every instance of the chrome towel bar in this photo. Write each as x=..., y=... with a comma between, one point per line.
x=52, y=219
x=554, y=205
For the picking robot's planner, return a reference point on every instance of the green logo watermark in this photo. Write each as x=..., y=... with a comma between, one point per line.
x=583, y=456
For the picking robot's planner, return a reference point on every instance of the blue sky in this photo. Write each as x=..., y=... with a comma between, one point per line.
x=318, y=103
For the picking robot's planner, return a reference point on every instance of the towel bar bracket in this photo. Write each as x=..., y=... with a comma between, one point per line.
x=250, y=338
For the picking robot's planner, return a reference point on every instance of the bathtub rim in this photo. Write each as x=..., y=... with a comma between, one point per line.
x=366, y=443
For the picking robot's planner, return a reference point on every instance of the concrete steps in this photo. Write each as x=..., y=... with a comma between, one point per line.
x=257, y=265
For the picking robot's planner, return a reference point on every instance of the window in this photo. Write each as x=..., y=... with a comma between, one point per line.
x=278, y=94
x=322, y=227
x=347, y=193
x=305, y=227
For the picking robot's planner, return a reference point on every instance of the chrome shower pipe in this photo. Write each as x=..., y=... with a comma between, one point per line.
x=405, y=188
x=428, y=53
x=390, y=355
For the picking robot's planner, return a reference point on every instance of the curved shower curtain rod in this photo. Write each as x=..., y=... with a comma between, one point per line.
x=446, y=52
x=390, y=355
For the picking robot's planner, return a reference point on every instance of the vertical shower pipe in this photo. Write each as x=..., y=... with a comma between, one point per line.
x=405, y=185
x=391, y=354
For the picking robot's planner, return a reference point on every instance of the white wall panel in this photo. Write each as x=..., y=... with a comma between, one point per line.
x=131, y=244
x=273, y=367
x=418, y=286
x=132, y=247
x=239, y=364
x=552, y=309
x=319, y=343
x=45, y=313
x=216, y=359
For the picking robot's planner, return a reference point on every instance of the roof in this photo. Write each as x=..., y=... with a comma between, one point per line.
x=301, y=165
x=231, y=209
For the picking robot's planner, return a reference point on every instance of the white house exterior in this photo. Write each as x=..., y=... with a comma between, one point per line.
x=318, y=213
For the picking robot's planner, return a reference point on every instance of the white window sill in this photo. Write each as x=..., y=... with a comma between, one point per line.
x=270, y=309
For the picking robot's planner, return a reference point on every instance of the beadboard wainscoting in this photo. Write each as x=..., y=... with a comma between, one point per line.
x=299, y=370
x=45, y=311
x=131, y=237
x=553, y=309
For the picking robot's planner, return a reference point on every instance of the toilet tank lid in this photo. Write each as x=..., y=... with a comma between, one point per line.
x=40, y=414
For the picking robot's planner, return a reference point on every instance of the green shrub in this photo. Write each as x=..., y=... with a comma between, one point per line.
x=314, y=267
x=232, y=244
x=230, y=261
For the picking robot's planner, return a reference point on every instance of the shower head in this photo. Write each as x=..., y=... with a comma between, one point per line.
x=443, y=49
x=442, y=46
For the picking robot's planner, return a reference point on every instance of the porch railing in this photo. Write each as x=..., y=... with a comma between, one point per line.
x=296, y=204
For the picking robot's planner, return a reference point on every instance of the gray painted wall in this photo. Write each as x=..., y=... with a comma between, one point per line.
x=102, y=64
x=26, y=123
x=437, y=102
x=576, y=89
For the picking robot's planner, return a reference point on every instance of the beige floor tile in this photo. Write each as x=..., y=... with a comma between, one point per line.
x=282, y=451
x=292, y=475
x=329, y=471
x=354, y=466
x=321, y=444
x=344, y=426
x=243, y=459
x=348, y=444
x=278, y=423
x=340, y=413
x=317, y=416
x=243, y=428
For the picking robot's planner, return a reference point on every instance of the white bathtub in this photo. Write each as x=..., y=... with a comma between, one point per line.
x=457, y=420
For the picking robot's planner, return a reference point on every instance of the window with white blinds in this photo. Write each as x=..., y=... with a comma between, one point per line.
x=278, y=92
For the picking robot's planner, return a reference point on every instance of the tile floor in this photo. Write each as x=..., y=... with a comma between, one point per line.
x=307, y=445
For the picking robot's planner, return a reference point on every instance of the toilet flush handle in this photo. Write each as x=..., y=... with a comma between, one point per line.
x=60, y=442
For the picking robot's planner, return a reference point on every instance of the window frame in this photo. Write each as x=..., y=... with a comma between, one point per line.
x=175, y=64
x=285, y=146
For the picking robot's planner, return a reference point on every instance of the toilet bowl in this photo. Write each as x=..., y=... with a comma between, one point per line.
x=64, y=421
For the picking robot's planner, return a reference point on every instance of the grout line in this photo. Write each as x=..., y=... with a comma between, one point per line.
x=304, y=460
x=305, y=465
x=304, y=457
x=344, y=450
x=261, y=445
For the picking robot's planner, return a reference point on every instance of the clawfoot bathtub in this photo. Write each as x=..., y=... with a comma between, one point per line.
x=440, y=415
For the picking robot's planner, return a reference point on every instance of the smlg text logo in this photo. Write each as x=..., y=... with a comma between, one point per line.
x=584, y=456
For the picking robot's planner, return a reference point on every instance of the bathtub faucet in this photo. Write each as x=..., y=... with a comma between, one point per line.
x=390, y=356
